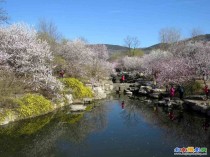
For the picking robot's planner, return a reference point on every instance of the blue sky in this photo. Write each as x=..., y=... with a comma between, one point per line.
x=110, y=21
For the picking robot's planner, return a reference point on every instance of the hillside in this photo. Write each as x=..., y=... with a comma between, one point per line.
x=203, y=38
x=117, y=48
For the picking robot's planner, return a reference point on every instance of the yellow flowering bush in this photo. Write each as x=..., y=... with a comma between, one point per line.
x=33, y=104
x=77, y=87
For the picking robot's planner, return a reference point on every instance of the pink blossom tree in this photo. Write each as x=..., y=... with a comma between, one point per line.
x=152, y=63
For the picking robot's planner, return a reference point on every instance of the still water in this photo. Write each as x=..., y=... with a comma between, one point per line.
x=112, y=129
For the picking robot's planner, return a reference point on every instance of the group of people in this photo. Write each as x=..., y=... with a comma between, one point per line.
x=172, y=91
x=180, y=90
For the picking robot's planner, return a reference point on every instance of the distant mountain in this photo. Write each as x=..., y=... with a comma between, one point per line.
x=122, y=49
x=202, y=38
x=116, y=48
x=153, y=47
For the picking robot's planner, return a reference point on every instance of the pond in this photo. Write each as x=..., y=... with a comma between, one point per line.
x=136, y=128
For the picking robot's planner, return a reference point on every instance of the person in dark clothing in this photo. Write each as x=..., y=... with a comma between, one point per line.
x=123, y=105
x=181, y=91
x=114, y=79
x=61, y=73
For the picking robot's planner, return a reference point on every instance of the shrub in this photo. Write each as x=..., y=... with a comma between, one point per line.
x=193, y=87
x=77, y=87
x=32, y=105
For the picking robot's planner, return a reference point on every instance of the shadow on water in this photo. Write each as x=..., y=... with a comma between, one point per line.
x=117, y=126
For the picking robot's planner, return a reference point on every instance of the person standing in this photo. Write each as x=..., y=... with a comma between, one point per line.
x=61, y=73
x=181, y=91
x=123, y=78
x=172, y=92
x=206, y=90
x=123, y=105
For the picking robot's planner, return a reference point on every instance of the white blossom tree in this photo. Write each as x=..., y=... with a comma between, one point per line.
x=86, y=61
x=152, y=63
x=28, y=57
x=131, y=63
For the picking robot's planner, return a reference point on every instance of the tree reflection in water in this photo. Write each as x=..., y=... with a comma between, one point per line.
x=45, y=135
x=43, y=142
x=186, y=127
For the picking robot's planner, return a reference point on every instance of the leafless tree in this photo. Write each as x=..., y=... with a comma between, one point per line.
x=48, y=31
x=132, y=43
x=169, y=35
x=3, y=15
x=195, y=32
x=49, y=28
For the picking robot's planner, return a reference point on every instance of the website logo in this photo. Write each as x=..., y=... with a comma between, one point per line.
x=190, y=151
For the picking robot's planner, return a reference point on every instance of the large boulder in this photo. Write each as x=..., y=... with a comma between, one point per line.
x=154, y=95
x=196, y=97
x=69, y=98
x=197, y=105
x=99, y=93
x=142, y=92
x=76, y=108
x=175, y=103
x=158, y=90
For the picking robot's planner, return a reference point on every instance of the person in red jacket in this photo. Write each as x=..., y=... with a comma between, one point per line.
x=206, y=90
x=123, y=78
x=172, y=92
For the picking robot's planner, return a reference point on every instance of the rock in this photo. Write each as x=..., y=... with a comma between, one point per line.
x=88, y=85
x=69, y=98
x=87, y=100
x=142, y=92
x=154, y=95
x=75, y=108
x=78, y=101
x=196, y=97
x=170, y=103
x=167, y=99
x=99, y=93
x=126, y=90
x=129, y=93
x=146, y=88
x=161, y=103
x=148, y=100
x=197, y=105
x=157, y=90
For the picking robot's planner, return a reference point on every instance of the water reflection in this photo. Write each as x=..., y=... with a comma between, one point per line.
x=116, y=127
x=192, y=130
x=38, y=137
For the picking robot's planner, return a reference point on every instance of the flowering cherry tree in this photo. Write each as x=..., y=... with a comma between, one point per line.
x=185, y=61
x=152, y=63
x=196, y=55
x=86, y=61
x=28, y=57
x=131, y=63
